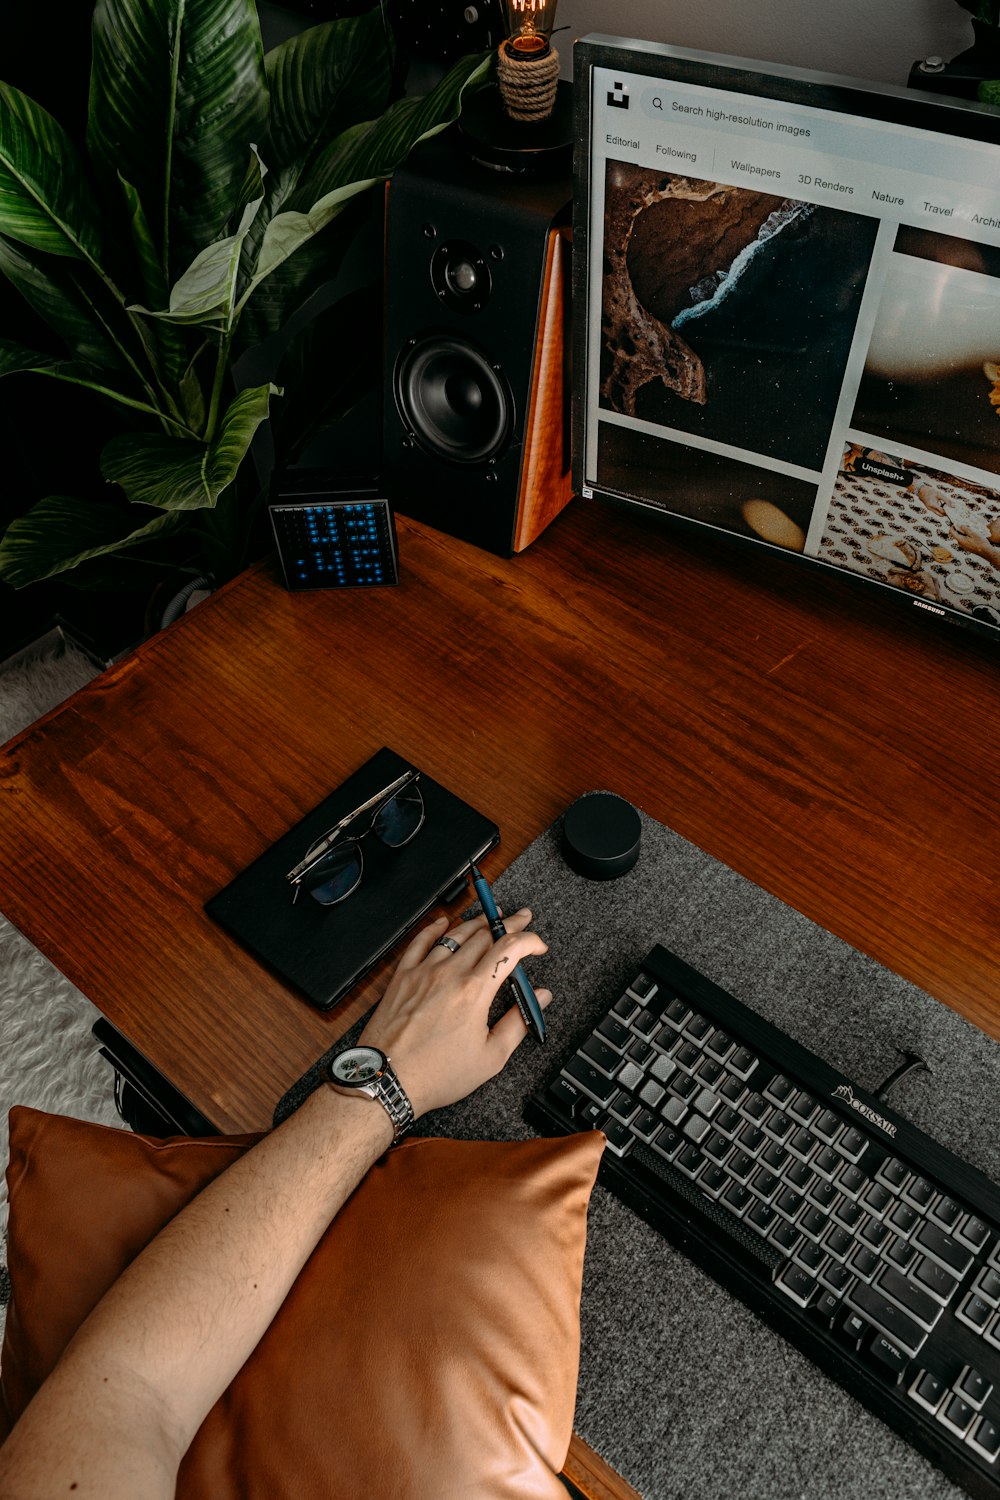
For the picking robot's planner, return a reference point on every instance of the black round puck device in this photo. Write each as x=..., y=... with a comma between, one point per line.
x=601, y=836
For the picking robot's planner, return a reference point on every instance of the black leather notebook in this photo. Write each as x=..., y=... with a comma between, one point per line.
x=324, y=950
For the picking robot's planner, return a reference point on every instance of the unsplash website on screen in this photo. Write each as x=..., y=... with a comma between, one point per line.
x=793, y=318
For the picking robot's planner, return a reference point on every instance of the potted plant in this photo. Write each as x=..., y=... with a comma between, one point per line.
x=211, y=200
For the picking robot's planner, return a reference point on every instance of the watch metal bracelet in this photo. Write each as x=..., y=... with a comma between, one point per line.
x=397, y=1104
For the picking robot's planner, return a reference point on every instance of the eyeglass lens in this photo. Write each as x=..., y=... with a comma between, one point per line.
x=339, y=872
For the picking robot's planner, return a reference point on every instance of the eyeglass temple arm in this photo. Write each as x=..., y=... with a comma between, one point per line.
x=328, y=839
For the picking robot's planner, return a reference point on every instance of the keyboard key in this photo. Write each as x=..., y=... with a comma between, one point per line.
x=972, y=1232
x=974, y=1387
x=827, y=1126
x=755, y=1107
x=696, y=1128
x=717, y=1147
x=827, y=1161
x=946, y=1212
x=677, y=1012
x=800, y=1176
x=785, y=1235
x=780, y=1089
x=750, y=1138
x=852, y=1143
x=595, y=1084
x=643, y=987
x=863, y=1263
x=596, y=1050
x=673, y=1110
x=939, y=1282
x=708, y=1072
x=778, y=1126
x=942, y=1248
x=797, y=1284
x=645, y=1023
x=901, y=1253
x=630, y=1076
x=887, y=1317
x=624, y=1107
x=987, y=1284
x=761, y=1216
x=902, y=1218
x=620, y=1139
x=851, y=1180
x=737, y=1198
x=688, y=1056
x=876, y=1199
x=566, y=1094
x=668, y=1143
x=803, y=1108
x=614, y=1033
x=626, y=1007
x=645, y=1125
x=706, y=1102
x=652, y=1093
x=728, y=1121
x=985, y=1439
x=928, y=1390
x=713, y=1179
x=893, y=1173
x=662, y=1069
x=742, y=1062
x=889, y=1354
x=919, y=1192
x=975, y=1312
x=957, y=1415
x=640, y=1053
x=697, y=1027
x=734, y=1090
x=774, y=1156
x=802, y=1144
x=720, y=1045
x=909, y=1296
x=690, y=1160
x=741, y=1166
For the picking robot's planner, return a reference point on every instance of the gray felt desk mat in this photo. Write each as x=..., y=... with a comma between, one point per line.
x=683, y=1390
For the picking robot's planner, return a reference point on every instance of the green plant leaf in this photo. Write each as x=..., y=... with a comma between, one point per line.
x=205, y=295
x=177, y=93
x=323, y=81
x=46, y=196
x=181, y=473
x=15, y=359
x=60, y=533
x=360, y=157
x=52, y=290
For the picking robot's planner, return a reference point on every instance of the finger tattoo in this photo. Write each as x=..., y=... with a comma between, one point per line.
x=499, y=965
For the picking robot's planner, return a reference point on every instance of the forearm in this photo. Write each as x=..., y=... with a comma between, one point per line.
x=168, y=1338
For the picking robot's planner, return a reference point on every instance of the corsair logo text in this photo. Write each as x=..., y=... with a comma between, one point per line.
x=845, y=1092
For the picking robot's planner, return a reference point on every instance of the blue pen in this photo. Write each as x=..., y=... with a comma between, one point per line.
x=527, y=1000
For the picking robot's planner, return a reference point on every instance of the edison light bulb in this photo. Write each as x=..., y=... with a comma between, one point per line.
x=527, y=63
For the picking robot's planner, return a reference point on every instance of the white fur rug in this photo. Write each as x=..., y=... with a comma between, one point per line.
x=48, y=1057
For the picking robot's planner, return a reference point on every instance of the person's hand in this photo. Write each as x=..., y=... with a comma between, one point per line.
x=433, y=1019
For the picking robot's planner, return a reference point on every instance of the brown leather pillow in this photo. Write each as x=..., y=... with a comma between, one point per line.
x=430, y=1346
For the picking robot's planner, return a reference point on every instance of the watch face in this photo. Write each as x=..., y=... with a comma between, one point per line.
x=357, y=1065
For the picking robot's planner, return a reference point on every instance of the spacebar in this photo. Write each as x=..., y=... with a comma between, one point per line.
x=767, y=1254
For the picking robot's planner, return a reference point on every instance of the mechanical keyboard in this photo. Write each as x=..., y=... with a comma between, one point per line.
x=859, y=1238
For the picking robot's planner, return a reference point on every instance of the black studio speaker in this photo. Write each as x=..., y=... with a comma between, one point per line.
x=476, y=407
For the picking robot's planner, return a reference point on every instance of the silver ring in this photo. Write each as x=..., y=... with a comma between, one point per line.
x=447, y=942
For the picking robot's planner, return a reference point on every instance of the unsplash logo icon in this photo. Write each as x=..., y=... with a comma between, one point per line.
x=618, y=96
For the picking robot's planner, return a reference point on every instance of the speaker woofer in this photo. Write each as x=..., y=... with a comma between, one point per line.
x=453, y=401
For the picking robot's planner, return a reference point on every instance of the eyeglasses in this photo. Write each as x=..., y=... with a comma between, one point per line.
x=333, y=865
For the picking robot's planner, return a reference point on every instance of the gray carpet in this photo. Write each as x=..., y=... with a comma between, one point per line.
x=681, y=1388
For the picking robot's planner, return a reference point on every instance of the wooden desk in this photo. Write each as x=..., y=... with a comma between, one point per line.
x=833, y=747
x=830, y=745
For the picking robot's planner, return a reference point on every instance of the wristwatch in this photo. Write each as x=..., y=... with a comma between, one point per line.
x=366, y=1070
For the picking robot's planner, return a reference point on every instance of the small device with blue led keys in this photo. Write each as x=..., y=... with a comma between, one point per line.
x=331, y=534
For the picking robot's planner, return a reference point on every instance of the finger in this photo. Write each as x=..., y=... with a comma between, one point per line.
x=418, y=949
x=509, y=1031
x=501, y=957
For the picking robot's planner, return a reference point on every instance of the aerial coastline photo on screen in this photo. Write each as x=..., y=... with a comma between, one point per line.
x=712, y=292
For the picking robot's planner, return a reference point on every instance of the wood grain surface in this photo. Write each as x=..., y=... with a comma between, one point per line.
x=827, y=743
x=831, y=745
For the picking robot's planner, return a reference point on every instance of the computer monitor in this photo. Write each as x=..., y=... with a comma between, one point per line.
x=787, y=309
